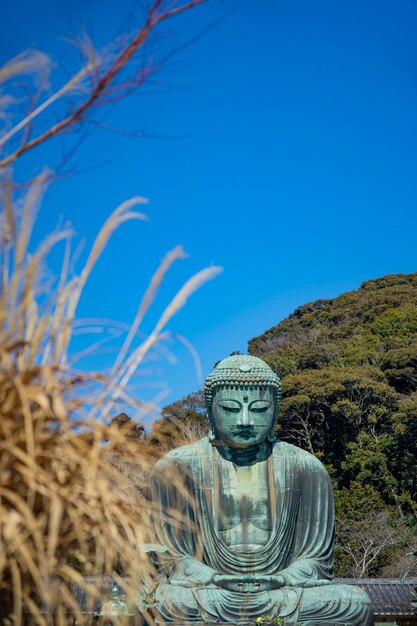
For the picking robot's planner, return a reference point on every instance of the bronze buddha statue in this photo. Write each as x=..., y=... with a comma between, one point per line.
x=246, y=522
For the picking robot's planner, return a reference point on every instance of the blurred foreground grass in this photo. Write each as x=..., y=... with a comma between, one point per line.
x=71, y=502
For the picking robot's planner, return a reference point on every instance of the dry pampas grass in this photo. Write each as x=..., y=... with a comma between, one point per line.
x=67, y=507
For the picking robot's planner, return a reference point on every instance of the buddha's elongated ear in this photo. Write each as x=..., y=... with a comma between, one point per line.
x=277, y=396
x=211, y=432
x=211, y=435
x=271, y=436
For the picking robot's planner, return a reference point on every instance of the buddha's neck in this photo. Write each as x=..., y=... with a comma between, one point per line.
x=245, y=456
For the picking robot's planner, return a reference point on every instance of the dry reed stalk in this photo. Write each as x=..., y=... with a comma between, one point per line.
x=61, y=517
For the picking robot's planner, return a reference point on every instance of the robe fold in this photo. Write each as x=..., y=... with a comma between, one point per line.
x=300, y=547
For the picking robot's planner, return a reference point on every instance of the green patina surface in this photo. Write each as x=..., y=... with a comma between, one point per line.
x=253, y=527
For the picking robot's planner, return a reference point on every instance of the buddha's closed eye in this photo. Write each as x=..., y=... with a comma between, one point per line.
x=230, y=405
x=259, y=406
x=234, y=406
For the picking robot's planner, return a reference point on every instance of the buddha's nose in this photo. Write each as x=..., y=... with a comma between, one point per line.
x=244, y=417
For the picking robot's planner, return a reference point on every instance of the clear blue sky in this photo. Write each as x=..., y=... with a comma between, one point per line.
x=291, y=160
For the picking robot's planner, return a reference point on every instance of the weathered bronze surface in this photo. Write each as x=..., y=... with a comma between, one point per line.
x=247, y=522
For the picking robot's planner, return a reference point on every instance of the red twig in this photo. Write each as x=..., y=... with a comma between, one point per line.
x=153, y=19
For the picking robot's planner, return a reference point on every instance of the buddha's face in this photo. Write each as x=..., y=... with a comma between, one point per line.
x=243, y=417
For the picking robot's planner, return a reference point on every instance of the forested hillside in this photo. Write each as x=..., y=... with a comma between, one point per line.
x=349, y=372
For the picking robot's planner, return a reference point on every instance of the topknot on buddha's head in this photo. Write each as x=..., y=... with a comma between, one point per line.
x=241, y=370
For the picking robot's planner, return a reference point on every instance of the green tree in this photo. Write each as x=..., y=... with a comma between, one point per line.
x=324, y=410
x=131, y=430
x=182, y=421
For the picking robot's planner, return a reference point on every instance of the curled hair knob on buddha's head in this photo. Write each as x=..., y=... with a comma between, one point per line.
x=241, y=370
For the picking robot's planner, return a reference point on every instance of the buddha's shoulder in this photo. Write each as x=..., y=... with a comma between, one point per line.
x=184, y=455
x=296, y=455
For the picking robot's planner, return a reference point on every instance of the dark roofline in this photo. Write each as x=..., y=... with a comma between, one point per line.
x=390, y=596
x=378, y=581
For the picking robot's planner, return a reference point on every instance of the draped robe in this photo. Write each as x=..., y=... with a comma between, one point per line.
x=300, y=547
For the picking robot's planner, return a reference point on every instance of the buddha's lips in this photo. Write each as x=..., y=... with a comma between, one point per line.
x=244, y=431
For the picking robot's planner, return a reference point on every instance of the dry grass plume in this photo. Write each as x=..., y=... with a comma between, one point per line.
x=61, y=518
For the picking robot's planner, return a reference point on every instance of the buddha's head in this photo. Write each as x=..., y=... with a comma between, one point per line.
x=242, y=396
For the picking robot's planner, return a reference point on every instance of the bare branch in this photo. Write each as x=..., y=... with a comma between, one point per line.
x=153, y=19
x=364, y=540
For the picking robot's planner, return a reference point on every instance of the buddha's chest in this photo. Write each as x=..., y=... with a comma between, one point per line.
x=244, y=505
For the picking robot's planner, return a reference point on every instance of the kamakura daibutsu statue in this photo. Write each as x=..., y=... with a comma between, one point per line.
x=245, y=522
